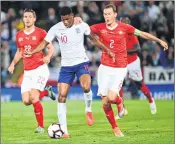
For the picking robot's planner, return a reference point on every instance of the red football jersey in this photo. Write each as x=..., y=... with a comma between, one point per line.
x=28, y=42
x=115, y=40
x=131, y=43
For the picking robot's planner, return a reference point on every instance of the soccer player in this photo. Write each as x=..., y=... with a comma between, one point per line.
x=111, y=74
x=74, y=62
x=134, y=69
x=36, y=72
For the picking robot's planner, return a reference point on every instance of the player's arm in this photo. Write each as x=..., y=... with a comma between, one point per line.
x=16, y=59
x=135, y=50
x=149, y=36
x=99, y=44
x=48, y=39
x=47, y=58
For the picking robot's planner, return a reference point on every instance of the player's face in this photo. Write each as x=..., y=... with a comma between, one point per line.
x=29, y=19
x=68, y=20
x=109, y=16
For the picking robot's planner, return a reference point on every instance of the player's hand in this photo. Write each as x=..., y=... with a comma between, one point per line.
x=11, y=68
x=164, y=45
x=112, y=55
x=27, y=54
x=77, y=20
x=46, y=59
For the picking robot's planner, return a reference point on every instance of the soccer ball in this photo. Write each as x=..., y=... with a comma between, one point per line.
x=55, y=131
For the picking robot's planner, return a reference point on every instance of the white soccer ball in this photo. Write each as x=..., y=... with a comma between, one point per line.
x=55, y=131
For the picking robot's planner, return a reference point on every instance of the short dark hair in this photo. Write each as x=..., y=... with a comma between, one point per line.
x=65, y=11
x=30, y=10
x=111, y=6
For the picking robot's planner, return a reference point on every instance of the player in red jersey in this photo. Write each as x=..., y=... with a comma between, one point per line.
x=111, y=74
x=36, y=72
x=134, y=69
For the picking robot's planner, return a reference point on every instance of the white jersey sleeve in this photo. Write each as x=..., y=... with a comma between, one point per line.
x=50, y=35
x=87, y=29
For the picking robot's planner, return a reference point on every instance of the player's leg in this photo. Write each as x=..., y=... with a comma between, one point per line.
x=63, y=89
x=38, y=84
x=119, y=107
x=85, y=82
x=103, y=87
x=135, y=74
x=66, y=77
x=26, y=98
x=110, y=116
x=48, y=91
x=38, y=109
x=141, y=86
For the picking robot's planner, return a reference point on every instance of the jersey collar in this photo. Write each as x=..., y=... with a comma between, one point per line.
x=112, y=27
x=28, y=33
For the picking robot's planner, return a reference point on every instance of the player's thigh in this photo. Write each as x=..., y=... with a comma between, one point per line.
x=82, y=72
x=134, y=70
x=26, y=82
x=66, y=75
x=115, y=82
x=40, y=77
x=103, y=79
x=63, y=89
x=26, y=98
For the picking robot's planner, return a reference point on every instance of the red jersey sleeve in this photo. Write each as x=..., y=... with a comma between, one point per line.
x=43, y=34
x=94, y=29
x=130, y=29
x=17, y=40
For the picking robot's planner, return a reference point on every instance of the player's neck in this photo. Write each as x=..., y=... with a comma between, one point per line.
x=112, y=25
x=29, y=30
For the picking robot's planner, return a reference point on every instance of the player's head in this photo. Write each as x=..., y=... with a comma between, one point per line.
x=110, y=14
x=125, y=19
x=67, y=16
x=29, y=17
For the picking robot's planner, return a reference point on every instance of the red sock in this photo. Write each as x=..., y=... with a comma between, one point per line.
x=110, y=116
x=38, y=109
x=121, y=93
x=43, y=94
x=146, y=92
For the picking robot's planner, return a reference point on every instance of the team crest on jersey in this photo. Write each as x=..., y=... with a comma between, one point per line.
x=20, y=39
x=77, y=30
x=33, y=37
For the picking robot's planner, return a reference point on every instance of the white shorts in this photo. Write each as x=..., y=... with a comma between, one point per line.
x=134, y=70
x=110, y=78
x=35, y=79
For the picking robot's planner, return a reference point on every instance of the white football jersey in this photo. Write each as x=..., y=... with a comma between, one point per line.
x=71, y=42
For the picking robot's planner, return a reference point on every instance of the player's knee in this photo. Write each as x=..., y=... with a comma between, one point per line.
x=62, y=97
x=105, y=101
x=26, y=102
x=86, y=87
x=138, y=84
x=112, y=98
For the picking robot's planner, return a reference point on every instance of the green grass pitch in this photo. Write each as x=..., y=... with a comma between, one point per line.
x=140, y=127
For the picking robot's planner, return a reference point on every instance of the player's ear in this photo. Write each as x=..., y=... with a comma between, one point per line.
x=115, y=14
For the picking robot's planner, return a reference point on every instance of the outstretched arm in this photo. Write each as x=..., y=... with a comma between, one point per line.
x=148, y=36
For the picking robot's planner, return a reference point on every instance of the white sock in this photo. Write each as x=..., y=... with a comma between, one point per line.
x=88, y=100
x=61, y=109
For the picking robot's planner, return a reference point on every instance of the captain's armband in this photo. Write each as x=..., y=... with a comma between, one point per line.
x=137, y=32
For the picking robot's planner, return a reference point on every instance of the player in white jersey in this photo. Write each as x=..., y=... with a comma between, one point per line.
x=74, y=61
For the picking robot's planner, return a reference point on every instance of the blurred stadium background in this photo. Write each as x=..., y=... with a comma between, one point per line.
x=154, y=17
